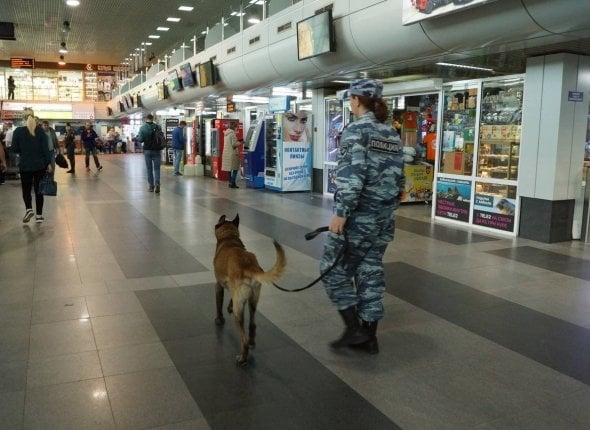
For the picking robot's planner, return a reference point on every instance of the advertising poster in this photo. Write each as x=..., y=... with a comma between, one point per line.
x=171, y=124
x=419, y=179
x=494, y=211
x=297, y=154
x=452, y=199
x=418, y=10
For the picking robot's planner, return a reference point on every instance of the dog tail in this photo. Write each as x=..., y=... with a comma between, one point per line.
x=276, y=271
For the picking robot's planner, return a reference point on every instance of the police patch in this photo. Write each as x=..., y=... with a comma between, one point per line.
x=381, y=145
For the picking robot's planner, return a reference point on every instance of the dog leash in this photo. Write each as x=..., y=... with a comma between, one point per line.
x=309, y=236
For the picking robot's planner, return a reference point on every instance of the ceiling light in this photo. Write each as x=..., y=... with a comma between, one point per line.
x=186, y=8
x=63, y=49
x=154, y=36
x=61, y=61
x=73, y=3
x=172, y=19
x=462, y=66
x=163, y=28
x=148, y=43
x=253, y=20
x=204, y=32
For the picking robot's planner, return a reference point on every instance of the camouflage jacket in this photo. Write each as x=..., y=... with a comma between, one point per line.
x=370, y=172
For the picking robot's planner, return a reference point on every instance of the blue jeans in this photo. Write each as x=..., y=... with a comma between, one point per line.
x=153, y=158
x=177, y=160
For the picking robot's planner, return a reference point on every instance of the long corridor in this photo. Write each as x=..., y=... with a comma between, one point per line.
x=107, y=318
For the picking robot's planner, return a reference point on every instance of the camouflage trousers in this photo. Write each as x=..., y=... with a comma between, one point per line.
x=359, y=279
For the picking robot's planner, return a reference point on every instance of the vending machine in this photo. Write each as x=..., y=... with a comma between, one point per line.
x=288, y=152
x=217, y=141
x=254, y=155
x=208, y=155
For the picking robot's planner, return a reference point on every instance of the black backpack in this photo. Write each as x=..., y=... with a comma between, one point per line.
x=157, y=139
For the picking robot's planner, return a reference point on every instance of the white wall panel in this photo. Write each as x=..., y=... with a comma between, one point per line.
x=488, y=24
x=560, y=16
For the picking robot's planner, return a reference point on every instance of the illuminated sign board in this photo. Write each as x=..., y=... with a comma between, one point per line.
x=22, y=63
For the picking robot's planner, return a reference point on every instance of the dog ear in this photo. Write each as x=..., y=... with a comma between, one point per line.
x=220, y=222
x=236, y=220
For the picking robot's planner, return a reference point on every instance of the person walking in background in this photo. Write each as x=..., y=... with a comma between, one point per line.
x=30, y=142
x=70, y=143
x=369, y=182
x=230, y=159
x=52, y=142
x=178, y=142
x=3, y=162
x=89, y=138
x=112, y=141
x=11, y=88
x=151, y=152
x=7, y=143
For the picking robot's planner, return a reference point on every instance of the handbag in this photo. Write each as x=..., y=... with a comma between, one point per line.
x=60, y=160
x=47, y=186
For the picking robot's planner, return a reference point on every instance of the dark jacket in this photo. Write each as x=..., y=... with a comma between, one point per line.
x=88, y=138
x=145, y=135
x=70, y=142
x=178, y=139
x=33, y=150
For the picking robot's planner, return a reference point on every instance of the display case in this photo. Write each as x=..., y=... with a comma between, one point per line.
x=91, y=85
x=458, y=130
x=489, y=128
x=500, y=129
x=69, y=86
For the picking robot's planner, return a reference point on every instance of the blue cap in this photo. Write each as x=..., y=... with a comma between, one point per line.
x=371, y=88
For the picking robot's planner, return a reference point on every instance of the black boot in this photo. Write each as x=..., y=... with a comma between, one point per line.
x=371, y=346
x=354, y=334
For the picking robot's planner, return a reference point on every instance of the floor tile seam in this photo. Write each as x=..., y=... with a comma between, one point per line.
x=476, y=331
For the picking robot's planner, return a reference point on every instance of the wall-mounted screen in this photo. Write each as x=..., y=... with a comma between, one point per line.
x=187, y=76
x=207, y=74
x=173, y=80
x=315, y=35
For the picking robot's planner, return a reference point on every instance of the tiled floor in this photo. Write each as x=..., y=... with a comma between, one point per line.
x=107, y=318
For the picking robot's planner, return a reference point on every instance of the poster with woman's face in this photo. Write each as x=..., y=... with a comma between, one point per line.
x=296, y=152
x=295, y=127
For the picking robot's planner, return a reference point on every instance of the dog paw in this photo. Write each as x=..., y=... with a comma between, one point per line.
x=241, y=361
x=219, y=321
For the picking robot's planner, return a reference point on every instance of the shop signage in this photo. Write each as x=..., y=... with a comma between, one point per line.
x=22, y=63
x=575, y=96
x=105, y=68
x=494, y=212
x=453, y=199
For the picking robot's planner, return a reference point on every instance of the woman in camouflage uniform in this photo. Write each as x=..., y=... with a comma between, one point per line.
x=369, y=181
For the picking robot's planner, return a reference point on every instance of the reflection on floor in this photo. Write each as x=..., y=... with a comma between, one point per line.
x=107, y=309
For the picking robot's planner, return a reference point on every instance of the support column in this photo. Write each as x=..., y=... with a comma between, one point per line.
x=552, y=145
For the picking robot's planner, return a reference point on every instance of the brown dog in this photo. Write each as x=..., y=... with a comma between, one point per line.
x=238, y=270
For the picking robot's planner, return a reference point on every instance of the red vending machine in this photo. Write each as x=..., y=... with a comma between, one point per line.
x=217, y=136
